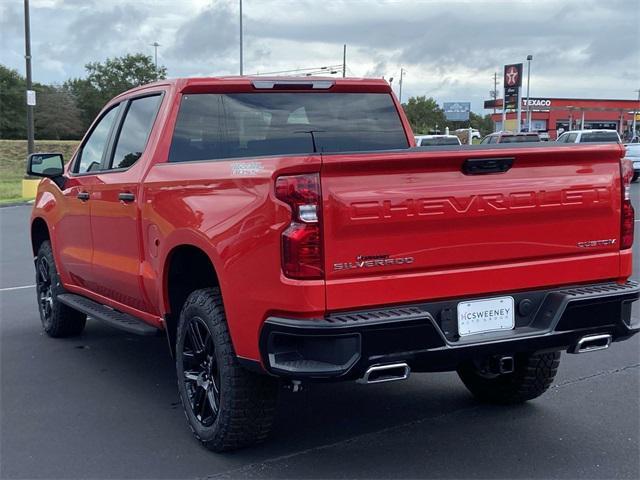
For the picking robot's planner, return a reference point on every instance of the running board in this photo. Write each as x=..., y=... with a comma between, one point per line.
x=112, y=317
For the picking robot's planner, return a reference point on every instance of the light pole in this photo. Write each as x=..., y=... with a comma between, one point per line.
x=529, y=58
x=241, y=61
x=635, y=115
x=402, y=72
x=27, y=56
x=155, y=46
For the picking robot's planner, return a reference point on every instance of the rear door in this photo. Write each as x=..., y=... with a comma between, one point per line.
x=115, y=212
x=416, y=225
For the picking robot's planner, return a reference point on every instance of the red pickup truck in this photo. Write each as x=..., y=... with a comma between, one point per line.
x=287, y=230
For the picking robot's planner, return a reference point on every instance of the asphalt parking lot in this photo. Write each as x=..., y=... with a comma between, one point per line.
x=105, y=405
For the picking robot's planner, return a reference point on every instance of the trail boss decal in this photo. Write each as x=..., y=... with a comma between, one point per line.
x=597, y=243
x=370, y=261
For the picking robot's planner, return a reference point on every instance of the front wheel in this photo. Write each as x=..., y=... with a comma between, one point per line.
x=58, y=319
x=227, y=407
x=532, y=376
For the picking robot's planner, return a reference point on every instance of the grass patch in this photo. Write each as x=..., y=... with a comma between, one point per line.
x=13, y=158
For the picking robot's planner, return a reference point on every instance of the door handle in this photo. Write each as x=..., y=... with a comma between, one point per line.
x=126, y=197
x=483, y=166
x=84, y=196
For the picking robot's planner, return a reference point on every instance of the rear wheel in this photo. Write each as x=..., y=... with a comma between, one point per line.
x=58, y=320
x=227, y=407
x=532, y=376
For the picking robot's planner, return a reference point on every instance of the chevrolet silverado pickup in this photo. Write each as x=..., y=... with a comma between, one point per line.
x=284, y=231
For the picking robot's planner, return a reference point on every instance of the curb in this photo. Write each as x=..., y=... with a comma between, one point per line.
x=17, y=203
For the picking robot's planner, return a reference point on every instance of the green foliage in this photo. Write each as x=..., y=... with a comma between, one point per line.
x=424, y=115
x=106, y=80
x=66, y=112
x=13, y=110
x=57, y=116
x=484, y=124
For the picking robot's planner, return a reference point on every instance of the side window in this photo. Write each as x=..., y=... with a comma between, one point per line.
x=135, y=130
x=562, y=138
x=90, y=158
x=485, y=140
x=493, y=139
x=571, y=138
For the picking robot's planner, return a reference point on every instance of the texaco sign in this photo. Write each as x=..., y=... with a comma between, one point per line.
x=513, y=75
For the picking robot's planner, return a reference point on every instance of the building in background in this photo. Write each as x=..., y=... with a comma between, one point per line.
x=556, y=115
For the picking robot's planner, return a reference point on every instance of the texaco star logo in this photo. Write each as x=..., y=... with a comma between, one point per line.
x=512, y=76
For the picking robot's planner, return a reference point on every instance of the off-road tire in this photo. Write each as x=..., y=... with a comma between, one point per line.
x=58, y=320
x=247, y=400
x=533, y=374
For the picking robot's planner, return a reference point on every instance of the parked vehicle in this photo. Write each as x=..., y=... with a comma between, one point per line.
x=633, y=155
x=433, y=140
x=544, y=136
x=510, y=137
x=286, y=230
x=475, y=133
x=589, y=136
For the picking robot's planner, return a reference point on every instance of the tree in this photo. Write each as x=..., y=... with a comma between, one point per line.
x=424, y=115
x=484, y=124
x=106, y=80
x=57, y=116
x=13, y=109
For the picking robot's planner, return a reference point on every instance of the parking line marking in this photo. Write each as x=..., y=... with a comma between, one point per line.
x=8, y=289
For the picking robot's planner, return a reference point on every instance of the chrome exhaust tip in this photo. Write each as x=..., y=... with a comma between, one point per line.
x=591, y=343
x=386, y=373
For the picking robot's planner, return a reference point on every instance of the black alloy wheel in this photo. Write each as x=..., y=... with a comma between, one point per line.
x=201, y=375
x=45, y=291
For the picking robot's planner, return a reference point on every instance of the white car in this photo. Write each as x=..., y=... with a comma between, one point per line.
x=633, y=154
x=589, y=136
x=431, y=140
x=475, y=133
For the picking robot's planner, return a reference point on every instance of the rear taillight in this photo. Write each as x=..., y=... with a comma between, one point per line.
x=627, y=213
x=302, y=240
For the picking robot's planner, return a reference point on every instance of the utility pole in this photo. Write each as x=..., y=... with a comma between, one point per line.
x=241, y=61
x=529, y=58
x=344, y=61
x=494, y=92
x=401, y=77
x=27, y=56
x=155, y=46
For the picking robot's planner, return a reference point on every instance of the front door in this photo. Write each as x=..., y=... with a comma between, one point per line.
x=73, y=231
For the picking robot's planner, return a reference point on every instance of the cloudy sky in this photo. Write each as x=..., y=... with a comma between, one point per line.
x=450, y=50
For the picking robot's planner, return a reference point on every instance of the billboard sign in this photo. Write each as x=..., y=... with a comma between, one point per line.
x=457, y=111
x=513, y=75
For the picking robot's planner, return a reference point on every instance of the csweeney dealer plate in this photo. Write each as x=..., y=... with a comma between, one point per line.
x=488, y=315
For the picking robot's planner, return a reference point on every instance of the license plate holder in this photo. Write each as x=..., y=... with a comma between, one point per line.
x=486, y=315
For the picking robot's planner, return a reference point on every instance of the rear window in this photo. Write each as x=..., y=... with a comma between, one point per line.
x=427, y=142
x=599, y=137
x=519, y=139
x=219, y=126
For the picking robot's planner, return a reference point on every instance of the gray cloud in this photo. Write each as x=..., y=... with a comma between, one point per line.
x=449, y=48
x=211, y=35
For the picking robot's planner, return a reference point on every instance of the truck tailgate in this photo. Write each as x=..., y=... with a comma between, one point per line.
x=409, y=226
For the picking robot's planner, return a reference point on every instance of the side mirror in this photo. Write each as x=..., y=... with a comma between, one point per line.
x=48, y=165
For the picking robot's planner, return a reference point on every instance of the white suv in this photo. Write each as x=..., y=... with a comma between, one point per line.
x=589, y=136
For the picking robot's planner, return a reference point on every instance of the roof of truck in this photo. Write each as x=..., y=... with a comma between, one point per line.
x=262, y=83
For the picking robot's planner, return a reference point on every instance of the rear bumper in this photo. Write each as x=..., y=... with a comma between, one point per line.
x=344, y=345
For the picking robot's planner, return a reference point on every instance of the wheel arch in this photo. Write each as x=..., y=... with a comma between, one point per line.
x=39, y=234
x=187, y=267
